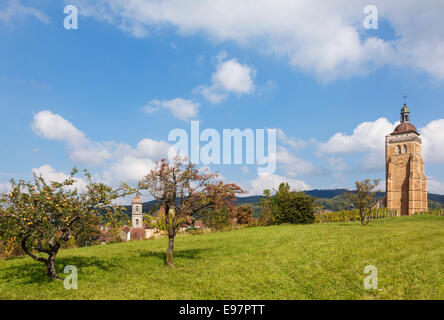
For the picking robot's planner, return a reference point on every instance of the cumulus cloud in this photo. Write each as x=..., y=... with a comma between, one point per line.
x=129, y=168
x=51, y=175
x=433, y=141
x=245, y=169
x=368, y=136
x=4, y=187
x=294, y=166
x=325, y=38
x=13, y=10
x=118, y=161
x=229, y=77
x=337, y=163
x=153, y=149
x=179, y=108
x=294, y=143
x=54, y=127
x=272, y=182
x=435, y=186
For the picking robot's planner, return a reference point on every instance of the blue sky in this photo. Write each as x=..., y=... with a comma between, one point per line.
x=111, y=84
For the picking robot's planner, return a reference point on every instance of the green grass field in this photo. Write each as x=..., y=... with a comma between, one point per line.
x=322, y=261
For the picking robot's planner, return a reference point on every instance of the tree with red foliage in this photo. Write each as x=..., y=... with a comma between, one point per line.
x=243, y=214
x=182, y=190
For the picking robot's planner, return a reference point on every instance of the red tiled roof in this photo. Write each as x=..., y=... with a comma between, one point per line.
x=404, y=128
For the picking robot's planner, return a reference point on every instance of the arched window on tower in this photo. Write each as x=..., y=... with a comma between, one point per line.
x=399, y=149
x=405, y=148
x=137, y=208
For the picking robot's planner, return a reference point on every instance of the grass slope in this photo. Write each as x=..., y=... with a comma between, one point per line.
x=324, y=261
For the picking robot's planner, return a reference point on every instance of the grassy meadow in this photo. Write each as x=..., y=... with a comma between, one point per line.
x=319, y=261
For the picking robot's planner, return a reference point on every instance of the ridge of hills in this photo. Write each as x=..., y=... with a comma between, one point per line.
x=328, y=199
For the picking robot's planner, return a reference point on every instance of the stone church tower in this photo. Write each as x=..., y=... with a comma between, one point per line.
x=406, y=183
x=136, y=213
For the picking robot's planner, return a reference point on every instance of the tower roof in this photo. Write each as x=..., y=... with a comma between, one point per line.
x=405, y=125
x=137, y=200
x=404, y=128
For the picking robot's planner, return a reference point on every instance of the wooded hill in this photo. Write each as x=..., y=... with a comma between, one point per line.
x=328, y=199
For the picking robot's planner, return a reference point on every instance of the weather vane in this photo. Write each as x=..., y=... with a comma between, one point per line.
x=405, y=96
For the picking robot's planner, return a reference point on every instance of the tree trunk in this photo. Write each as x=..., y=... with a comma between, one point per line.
x=169, y=256
x=364, y=220
x=50, y=267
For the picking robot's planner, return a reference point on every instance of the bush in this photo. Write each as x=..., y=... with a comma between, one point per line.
x=194, y=231
x=243, y=214
x=293, y=207
x=217, y=219
x=10, y=248
x=267, y=209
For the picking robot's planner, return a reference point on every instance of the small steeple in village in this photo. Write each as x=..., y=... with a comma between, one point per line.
x=136, y=213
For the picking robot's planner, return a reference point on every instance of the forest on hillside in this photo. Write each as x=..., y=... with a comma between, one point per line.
x=326, y=199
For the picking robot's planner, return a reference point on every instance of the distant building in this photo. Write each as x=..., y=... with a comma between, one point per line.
x=140, y=230
x=136, y=213
x=406, y=183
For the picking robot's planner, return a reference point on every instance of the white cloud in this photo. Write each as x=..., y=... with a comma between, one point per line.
x=373, y=162
x=325, y=38
x=272, y=182
x=368, y=136
x=179, y=108
x=245, y=169
x=294, y=166
x=54, y=127
x=433, y=141
x=211, y=95
x=13, y=10
x=435, y=186
x=51, y=175
x=4, y=187
x=230, y=77
x=337, y=163
x=128, y=169
x=153, y=149
x=294, y=143
x=93, y=154
x=118, y=161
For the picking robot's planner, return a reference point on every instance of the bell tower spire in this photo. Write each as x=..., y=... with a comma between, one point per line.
x=137, y=214
x=405, y=114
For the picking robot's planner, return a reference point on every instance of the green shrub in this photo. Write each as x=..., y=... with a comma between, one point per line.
x=217, y=219
x=194, y=231
x=293, y=207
